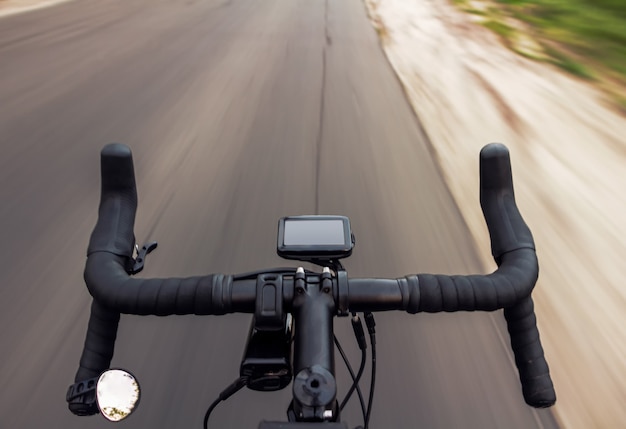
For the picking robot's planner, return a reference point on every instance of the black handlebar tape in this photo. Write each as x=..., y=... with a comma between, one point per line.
x=97, y=352
x=111, y=249
x=99, y=342
x=113, y=232
x=533, y=369
x=110, y=252
x=215, y=294
x=514, y=279
x=430, y=293
x=509, y=288
x=509, y=233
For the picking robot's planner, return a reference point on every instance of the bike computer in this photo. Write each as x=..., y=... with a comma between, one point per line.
x=308, y=238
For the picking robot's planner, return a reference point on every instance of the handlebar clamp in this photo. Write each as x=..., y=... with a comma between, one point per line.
x=342, y=294
x=268, y=311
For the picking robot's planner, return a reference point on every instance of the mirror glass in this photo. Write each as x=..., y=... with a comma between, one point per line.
x=117, y=394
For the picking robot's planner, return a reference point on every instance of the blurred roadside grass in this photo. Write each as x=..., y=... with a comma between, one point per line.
x=586, y=38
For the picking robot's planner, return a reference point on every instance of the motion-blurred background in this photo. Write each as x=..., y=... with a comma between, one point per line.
x=239, y=112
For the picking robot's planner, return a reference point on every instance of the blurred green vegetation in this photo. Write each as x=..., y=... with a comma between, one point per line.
x=591, y=29
x=586, y=38
x=499, y=27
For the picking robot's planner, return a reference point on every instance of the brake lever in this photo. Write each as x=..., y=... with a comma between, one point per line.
x=138, y=263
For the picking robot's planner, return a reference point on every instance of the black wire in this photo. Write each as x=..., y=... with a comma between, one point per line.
x=209, y=410
x=355, y=380
x=373, y=381
x=233, y=388
x=355, y=385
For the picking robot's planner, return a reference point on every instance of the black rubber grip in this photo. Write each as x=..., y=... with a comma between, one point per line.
x=533, y=369
x=113, y=232
x=507, y=229
x=97, y=354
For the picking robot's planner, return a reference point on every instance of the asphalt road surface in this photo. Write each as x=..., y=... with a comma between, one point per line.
x=238, y=112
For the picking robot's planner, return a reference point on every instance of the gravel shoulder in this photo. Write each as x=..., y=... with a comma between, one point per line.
x=13, y=7
x=568, y=156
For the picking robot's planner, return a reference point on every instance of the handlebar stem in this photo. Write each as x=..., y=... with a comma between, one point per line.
x=314, y=386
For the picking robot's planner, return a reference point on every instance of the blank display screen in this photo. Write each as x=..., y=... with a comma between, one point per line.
x=314, y=232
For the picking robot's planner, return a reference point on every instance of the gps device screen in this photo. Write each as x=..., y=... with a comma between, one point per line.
x=313, y=232
x=314, y=237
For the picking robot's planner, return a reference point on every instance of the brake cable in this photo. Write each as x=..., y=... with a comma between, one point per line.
x=355, y=379
x=371, y=328
x=235, y=387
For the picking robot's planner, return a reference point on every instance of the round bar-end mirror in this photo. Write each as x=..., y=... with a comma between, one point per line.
x=117, y=393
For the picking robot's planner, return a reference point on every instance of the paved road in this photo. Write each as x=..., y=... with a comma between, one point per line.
x=238, y=112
